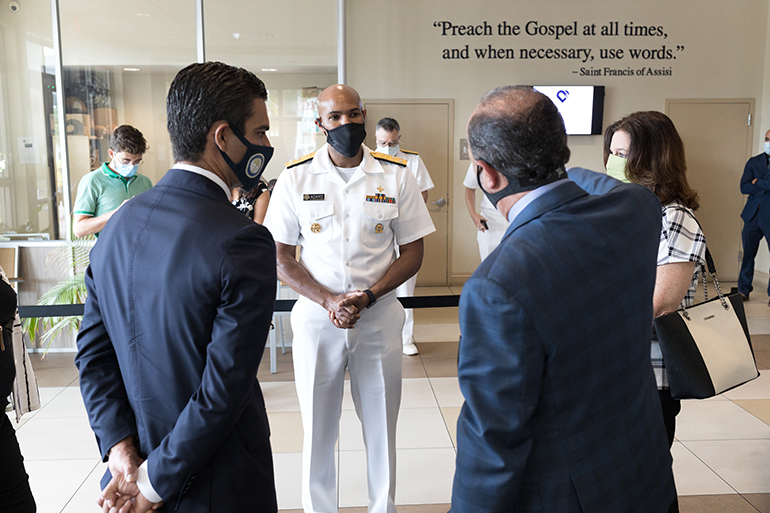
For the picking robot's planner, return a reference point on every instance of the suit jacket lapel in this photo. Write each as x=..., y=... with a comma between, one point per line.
x=549, y=201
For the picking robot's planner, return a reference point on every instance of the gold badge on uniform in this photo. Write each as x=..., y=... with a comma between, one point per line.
x=378, y=228
x=315, y=228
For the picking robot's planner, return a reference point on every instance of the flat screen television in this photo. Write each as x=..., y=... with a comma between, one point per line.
x=581, y=107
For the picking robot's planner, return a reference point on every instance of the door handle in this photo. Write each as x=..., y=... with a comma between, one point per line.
x=441, y=202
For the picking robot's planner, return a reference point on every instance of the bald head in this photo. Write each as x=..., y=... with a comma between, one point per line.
x=520, y=133
x=340, y=105
x=338, y=97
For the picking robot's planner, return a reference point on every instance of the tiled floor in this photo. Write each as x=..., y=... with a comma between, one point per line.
x=721, y=456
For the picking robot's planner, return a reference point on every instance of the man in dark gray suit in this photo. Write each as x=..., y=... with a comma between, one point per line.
x=561, y=411
x=181, y=291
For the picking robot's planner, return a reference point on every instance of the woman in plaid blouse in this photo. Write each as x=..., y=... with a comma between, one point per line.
x=647, y=147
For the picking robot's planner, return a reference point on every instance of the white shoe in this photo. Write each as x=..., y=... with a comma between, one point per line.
x=410, y=349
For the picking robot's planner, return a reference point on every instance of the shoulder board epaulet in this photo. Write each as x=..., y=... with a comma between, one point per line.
x=388, y=158
x=410, y=152
x=300, y=160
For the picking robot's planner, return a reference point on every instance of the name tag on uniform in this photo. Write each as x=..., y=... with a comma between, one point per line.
x=313, y=197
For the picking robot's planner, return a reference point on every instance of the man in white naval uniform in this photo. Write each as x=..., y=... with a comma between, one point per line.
x=348, y=208
x=491, y=225
x=388, y=138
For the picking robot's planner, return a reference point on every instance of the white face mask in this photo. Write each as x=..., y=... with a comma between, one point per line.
x=389, y=150
x=767, y=147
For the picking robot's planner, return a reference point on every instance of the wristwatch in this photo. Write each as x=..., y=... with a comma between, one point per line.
x=372, y=299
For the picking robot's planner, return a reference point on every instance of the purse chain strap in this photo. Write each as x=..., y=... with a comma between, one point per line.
x=708, y=269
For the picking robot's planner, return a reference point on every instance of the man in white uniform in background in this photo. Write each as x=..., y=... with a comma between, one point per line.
x=491, y=225
x=348, y=210
x=388, y=137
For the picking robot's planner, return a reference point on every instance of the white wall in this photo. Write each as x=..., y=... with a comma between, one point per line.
x=400, y=56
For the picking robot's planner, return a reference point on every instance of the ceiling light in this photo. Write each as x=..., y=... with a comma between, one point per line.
x=269, y=69
x=236, y=35
x=130, y=69
x=142, y=15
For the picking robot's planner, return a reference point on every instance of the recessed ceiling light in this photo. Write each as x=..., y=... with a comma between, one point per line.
x=142, y=15
x=130, y=69
x=236, y=35
x=269, y=69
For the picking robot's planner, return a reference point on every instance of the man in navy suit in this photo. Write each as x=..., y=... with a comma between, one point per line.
x=181, y=291
x=561, y=411
x=756, y=215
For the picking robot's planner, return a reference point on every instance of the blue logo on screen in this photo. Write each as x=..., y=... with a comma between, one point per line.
x=562, y=95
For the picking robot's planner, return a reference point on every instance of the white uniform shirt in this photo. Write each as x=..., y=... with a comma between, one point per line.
x=419, y=171
x=348, y=231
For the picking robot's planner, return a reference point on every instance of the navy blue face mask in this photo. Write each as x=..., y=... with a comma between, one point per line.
x=250, y=168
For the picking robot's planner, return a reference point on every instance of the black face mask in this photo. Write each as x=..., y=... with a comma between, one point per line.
x=347, y=138
x=250, y=168
x=517, y=185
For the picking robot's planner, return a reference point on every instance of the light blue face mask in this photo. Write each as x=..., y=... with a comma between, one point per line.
x=389, y=150
x=616, y=168
x=126, y=170
x=767, y=147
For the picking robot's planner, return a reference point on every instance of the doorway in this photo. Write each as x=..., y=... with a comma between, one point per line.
x=426, y=127
x=717, y=136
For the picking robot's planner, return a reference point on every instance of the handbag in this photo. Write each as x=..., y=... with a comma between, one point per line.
x=26, y=397
x=707, y=348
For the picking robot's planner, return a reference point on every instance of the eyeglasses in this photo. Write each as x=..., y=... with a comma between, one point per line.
x=129, y=162
x=121, y=158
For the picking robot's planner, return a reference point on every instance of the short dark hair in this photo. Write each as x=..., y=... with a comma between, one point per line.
x=202, y=94
x=520, y=133
x=128, y=139
x=656, y=156
x=388, y=124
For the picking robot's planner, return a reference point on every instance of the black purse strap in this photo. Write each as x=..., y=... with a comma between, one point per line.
x=709, y=261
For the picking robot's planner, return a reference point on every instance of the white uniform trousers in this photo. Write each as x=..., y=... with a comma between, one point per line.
x=406, y=289
x=488, y=240
x=372, y=353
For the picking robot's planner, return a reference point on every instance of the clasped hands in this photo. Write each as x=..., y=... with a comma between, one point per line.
x=345, y=309
x=122, y=495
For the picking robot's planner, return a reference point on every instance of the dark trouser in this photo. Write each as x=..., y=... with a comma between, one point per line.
x=15, y=495
x=752, y=234
x=671, y=408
